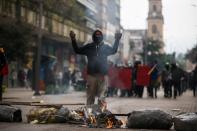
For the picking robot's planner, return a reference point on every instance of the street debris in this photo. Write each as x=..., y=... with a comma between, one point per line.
x=47, y=115
x=89, y=116
x=149, y=119
x=10, y=114
x=185, y=122
x=97, y=116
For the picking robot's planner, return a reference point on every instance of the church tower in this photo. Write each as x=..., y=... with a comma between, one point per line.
x=155, y=21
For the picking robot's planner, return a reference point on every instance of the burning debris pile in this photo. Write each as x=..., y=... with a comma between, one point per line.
x=47, y=115
x=90, y=116
x=94, y=116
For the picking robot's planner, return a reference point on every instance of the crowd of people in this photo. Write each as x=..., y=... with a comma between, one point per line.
x=172, y=79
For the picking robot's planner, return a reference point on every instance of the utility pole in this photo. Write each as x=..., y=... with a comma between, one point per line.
x=145, y=42
x=38, y=52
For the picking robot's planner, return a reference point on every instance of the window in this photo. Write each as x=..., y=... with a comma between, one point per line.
x=154, y=29
x=6, y=7
x=66, y=31
x=30, y=17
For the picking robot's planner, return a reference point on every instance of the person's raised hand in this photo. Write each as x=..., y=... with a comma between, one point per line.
x=72, y=35
x=118, y=36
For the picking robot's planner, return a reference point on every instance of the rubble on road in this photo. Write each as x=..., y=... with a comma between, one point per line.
x=149, y=119
x=185, y=122
x=10, y=114
x=44, y=115
x=89, y=116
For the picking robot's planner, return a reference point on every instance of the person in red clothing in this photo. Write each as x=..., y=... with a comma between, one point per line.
x=3, y=70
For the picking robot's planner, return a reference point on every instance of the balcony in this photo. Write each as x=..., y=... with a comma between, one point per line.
x=89, y=4
x=90, y=23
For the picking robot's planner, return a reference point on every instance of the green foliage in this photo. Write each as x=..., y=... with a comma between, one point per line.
x=191, y=55
x=15, y=37
x=153, y=50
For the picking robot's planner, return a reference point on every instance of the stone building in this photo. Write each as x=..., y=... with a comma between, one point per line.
x=57, y=22
x=135, y=40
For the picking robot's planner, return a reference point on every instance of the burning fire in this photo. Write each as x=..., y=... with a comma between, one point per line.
x=123, y=123
x=92, y=119
x=97, y=116
x=109, y=123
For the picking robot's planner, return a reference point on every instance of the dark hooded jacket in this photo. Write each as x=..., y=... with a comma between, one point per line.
x=97, y=55
x=177, y=73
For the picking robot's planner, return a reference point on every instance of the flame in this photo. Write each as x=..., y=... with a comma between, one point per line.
x=109, y=123
x=80, y=113
x=123, y=123
x=92, y=119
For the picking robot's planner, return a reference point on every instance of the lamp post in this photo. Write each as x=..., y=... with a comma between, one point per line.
x=145, y=42
x=38, y=51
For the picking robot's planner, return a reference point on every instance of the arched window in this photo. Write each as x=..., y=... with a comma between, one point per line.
x=154, y=29
x=154, y=8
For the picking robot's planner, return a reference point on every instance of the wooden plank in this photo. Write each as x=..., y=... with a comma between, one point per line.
x=37, y=103
x=18, y=103
x=122, y=114
x=47, y=104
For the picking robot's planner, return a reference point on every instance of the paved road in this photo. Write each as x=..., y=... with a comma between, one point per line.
x=185, y=103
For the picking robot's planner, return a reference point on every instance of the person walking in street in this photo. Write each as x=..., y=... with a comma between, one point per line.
x=66, y=78
x=97, y=68
x=194, y=81
x=13, y=78
x=167, y=81
x=138, y=89
x=154, y=80
x=177, y=76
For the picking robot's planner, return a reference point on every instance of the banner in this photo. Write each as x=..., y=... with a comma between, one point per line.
x=113, y=77
x=125, y=78
x=120, y=77
x=143, y=77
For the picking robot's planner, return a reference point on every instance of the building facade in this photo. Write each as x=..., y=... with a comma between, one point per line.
x=83, y=18
x=133, y=45
x=135, y=41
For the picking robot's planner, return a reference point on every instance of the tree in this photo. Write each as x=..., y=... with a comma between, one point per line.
x=15, y=38
x=153, y=50
x=191, y=55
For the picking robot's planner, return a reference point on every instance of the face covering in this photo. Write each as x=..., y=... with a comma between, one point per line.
x=97, y=37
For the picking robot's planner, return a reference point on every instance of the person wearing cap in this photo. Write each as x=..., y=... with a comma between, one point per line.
x=97, y=67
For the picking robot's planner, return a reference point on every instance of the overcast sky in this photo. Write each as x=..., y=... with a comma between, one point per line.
x=180, y=21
